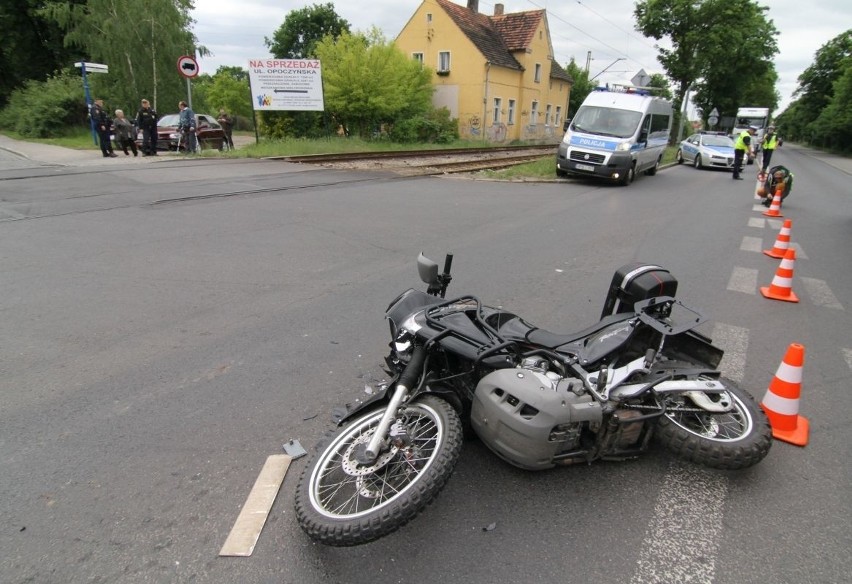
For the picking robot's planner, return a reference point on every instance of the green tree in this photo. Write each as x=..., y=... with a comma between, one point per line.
x=139, y=41
x=721, y=48
x=369, y=82
x=229, y=90
x=659, y=81
x=833, y=128
x=302, y=29
x=581, y=88
x=297, y=38
x=32, y=46
x=816, y=89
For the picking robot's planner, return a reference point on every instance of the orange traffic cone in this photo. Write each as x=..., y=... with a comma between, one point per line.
x=775, y=207
x=781, y=402
x=781, y=287
x=782, y=243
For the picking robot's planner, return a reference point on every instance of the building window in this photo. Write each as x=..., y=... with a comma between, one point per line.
x=428, y=18
x=538, y=72
x=511, y=119
x=534, y=113
x=558, y=121
x=444, y=62
x=547, y=112
x=417, y=57
x=498, y=103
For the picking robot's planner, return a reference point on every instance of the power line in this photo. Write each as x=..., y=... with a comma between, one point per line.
x=616, y=52
x=640, y=39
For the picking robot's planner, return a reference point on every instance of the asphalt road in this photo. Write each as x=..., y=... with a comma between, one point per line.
x=168, y=326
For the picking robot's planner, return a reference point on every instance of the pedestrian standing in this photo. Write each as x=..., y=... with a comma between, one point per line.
x=103, y=125
x=770, y=141
x=125, y=135
x=186, y=125
x=227, y=125
x=146, y=120
x=742, y=147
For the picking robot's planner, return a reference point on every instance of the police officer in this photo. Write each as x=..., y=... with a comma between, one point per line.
x=742, y=146
x=103, y=125
x=770, y=141
x=146, y=120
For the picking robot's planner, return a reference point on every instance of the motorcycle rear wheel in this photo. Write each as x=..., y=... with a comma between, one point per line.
x=340, y=502
x=730, y=440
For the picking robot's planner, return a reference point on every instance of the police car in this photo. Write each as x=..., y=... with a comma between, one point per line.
x=707, y=150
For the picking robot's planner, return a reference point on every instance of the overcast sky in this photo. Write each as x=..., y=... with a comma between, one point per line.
x=234, y=31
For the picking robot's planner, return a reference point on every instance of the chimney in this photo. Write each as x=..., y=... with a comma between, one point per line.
x=473, y=5
x=498, y=10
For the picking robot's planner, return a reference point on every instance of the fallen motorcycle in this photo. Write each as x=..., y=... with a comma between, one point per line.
x=535, y=398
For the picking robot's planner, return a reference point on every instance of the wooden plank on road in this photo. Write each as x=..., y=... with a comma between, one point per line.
x=250, y=522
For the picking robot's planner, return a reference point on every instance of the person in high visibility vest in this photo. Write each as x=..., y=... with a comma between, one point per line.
x=742, y=146
x=770, y=141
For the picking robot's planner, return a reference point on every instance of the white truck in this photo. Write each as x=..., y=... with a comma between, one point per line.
x=752, y=116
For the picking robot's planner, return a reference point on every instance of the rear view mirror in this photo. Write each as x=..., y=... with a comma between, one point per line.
x=427, y=269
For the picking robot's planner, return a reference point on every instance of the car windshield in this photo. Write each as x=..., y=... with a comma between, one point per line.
x=606, y=121
x=718, y=141
x=169, y=120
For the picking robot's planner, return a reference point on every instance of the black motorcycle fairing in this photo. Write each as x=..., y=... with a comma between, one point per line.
x=406, y=304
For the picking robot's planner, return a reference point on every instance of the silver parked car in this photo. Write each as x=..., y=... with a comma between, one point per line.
x=706, y=150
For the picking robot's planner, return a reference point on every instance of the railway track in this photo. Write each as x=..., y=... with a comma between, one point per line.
x=426, y=162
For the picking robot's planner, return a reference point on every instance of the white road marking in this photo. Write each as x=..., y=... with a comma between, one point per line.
x=682, y=541
x=743, y=280
x=800, y=253
x=734, y=341
x=847, y=354
x=752, y=244
x=820, y=294
x=760, y=223
x=775, y=224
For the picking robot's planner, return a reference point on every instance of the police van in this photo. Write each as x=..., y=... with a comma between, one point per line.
x=617, y=132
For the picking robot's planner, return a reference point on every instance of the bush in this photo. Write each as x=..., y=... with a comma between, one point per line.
x=434, y=127
x=279, y=125
x=45, y=109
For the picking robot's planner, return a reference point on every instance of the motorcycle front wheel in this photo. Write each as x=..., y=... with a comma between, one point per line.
x=341, y=502
x=735, y=439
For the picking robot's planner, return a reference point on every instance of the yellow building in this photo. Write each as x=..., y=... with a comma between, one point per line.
x=496, y=74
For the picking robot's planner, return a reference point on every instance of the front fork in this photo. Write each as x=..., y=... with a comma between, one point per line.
x=409, y=377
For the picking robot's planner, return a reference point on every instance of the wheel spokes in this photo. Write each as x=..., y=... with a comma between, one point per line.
x=344, y=488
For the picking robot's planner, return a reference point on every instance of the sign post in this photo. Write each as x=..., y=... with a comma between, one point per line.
x=188, y=67
x=92, y=68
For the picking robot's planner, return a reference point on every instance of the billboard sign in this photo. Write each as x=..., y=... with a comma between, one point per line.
x=286, y=84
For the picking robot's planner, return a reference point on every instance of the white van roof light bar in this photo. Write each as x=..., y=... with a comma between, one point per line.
x=621, y=88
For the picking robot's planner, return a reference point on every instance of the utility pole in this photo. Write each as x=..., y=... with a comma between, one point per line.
x=588, y=60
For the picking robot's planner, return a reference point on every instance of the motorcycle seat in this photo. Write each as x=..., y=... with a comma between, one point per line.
x=519, y=330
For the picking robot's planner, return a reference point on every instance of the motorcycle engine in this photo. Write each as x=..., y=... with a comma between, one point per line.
x=527, y=415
